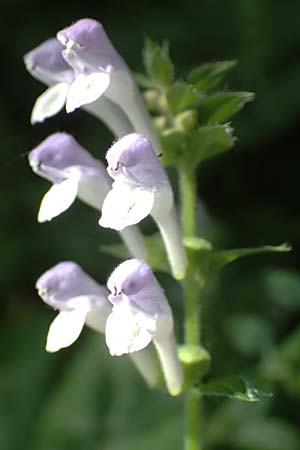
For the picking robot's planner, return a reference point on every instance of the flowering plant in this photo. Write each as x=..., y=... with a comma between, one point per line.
x=190, y=124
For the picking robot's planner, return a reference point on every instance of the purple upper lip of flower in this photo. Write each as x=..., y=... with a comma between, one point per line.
x=130, y=150
x=87, y=40
x=65, y=281
x=46, y=63
x=59, y=152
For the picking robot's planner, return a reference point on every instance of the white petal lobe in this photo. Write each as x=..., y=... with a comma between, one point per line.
x=126, y=332
x=49, y=102
x=86, y=89
x=58, y=199
x=125, y=206
x=65, y=329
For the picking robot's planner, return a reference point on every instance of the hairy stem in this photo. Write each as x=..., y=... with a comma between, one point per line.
x=190, y=288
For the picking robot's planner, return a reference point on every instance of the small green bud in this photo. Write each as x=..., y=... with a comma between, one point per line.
x=152, y=99
x=186, y=120
x=160, y=123
x=196, y=363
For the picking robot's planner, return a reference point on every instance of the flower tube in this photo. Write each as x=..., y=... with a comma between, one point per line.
x=141, y=187
x=81, y=301
x=141, y=314
x=74, y=172
x=46, y=64
x=101, y=72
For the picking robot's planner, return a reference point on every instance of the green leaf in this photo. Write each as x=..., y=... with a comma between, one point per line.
x=222, y=106
x=181, y=96
x=222, y=257
x=158, y=64
x=207, y=142
x=209, y=75
x=210, y=261
x=156, y=252
x=144, y=81
x=174, y=142
x=232, y=387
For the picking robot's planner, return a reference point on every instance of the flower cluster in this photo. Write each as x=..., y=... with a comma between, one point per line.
x=82, y=69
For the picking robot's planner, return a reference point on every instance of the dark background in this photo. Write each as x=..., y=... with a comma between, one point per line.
x=249, y=196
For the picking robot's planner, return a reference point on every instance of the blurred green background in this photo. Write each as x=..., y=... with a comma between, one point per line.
x=81, y=399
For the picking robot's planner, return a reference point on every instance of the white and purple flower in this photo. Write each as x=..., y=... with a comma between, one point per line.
x=100, y=72
x=81, y=301
x=74, y=172
x=141, y=187
x=141, y=314
x=46, y=64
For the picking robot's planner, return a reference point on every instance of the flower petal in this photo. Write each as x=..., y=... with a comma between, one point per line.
x=86, y=89
x=125, y=205
x=58, y=199
x=49, y=102
x=65, y=329
x=124, y=332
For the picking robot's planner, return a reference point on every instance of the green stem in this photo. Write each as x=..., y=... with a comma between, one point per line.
x=188, y=188
x=192, y=309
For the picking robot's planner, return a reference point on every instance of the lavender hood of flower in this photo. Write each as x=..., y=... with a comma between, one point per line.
x=141, y=314
x=79, y=300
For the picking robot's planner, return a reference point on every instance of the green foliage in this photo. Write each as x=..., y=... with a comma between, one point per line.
x=158, y=63
x=221, y=106
x=209, y=261
x=207, y=142
x=194, y=128
x=233, y=387
x=209, y=75
x=181, y=96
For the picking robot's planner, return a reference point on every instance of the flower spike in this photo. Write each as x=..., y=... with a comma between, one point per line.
x=141, y=187
x=81, y=301
x=141, y=314
x=74, y=173
x=46, y=64
x=101, y=72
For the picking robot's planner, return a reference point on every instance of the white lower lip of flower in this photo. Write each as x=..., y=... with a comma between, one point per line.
x=127, y=330
x=58, y=199
x=86, y=89
x=49, y=103
x=92, y=191
x=66, y=328
x=126, y=205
